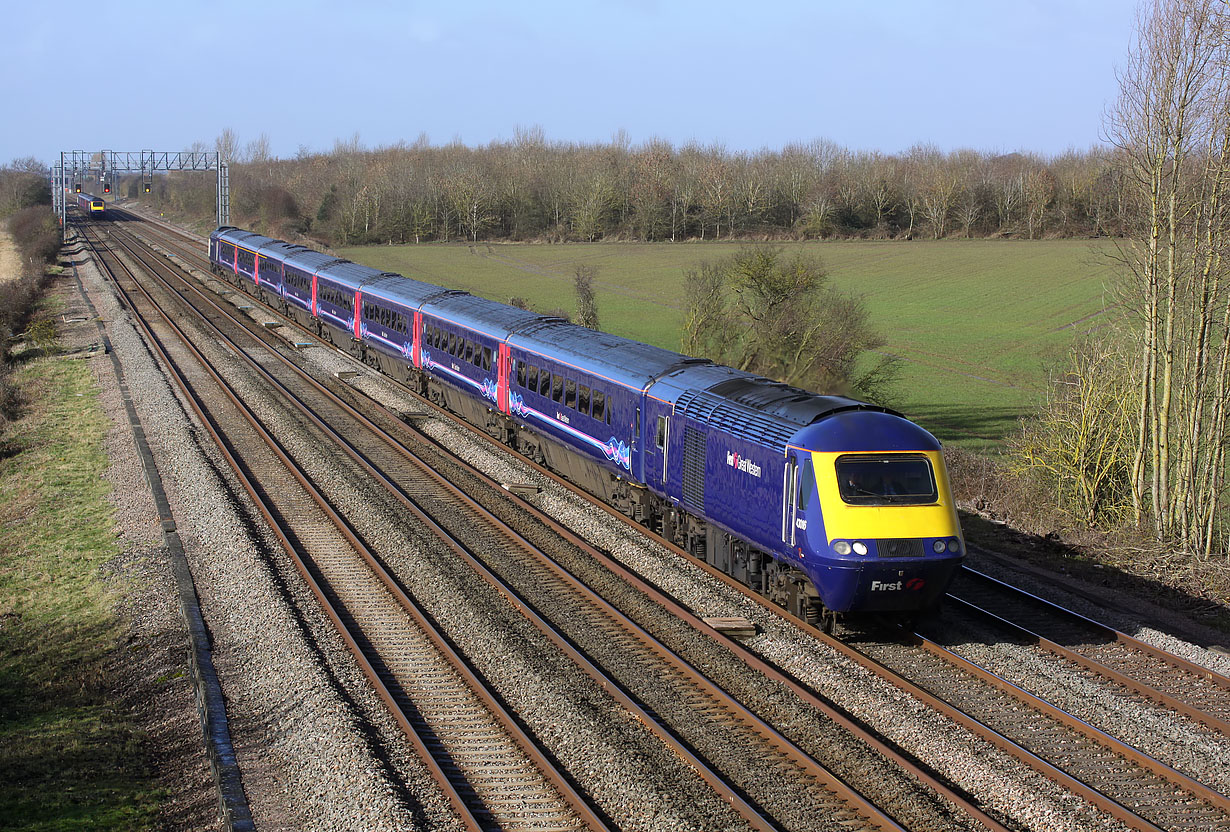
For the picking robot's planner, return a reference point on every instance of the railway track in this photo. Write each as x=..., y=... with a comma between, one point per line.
x=1170, y=801
x=1179, y=684
x=492, y=774
x=785, y=775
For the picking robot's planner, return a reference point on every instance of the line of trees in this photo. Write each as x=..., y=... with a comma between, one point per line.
x=533, y=189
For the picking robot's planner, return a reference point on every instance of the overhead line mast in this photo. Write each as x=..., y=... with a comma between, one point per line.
x=77, y=164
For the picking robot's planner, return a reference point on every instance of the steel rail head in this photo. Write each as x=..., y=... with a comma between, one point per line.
x=858, y=801
x=1180, y=662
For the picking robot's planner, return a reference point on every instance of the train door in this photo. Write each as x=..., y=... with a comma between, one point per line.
x=798, y=483
x=656, y=437
x=358, y=315
x=504, y=363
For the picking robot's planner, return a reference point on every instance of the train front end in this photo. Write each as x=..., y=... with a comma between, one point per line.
x=876, y=526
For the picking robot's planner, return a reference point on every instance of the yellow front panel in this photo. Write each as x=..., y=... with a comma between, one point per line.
x=847, y=522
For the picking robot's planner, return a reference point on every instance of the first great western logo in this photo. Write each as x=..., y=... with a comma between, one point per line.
x=742, y=463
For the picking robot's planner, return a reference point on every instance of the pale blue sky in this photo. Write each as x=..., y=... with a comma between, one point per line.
x=996, y=75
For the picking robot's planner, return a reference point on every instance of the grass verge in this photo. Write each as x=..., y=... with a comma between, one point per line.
x=71, y=760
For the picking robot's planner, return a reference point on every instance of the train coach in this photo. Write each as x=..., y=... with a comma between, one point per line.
x=91, y=206
x=824, y=504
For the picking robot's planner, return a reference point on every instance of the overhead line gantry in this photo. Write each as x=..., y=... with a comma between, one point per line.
x=105, y=164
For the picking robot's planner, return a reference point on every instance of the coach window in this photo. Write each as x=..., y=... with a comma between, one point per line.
x=451, y=349
x=470, y=351
x=557, y=388
x=520, y=372
x=486, y=358
x=661, y=440
x=544, y=388
x=583, y=399
x=531, y=378
x=570, y=399
x=599, y=405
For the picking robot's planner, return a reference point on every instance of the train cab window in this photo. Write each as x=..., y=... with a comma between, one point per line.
x=544, y=387
x=557, y=388
x=531, y=378
x=486, y=358
x=570, y=394
x=807, y=484
x=600, y=405
x=661, y=434
x=865, y=480
x=583, y=399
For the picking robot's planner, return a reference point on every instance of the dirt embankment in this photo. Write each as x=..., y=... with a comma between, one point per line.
x=10, y=260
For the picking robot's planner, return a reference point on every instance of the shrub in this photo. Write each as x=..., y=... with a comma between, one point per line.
x=36, y=231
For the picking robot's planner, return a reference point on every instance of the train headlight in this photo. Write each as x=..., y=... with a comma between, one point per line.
x=860, y=548
x=954, y=546
x=939, y=546
x=841, y=547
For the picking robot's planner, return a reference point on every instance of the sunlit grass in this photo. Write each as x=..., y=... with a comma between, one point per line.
x=70, y=760
x=976, y=323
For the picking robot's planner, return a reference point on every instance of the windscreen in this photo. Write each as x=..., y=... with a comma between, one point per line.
x=886, y=480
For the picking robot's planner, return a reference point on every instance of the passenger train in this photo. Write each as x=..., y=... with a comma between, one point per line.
x=91, y=206
x=824, y=504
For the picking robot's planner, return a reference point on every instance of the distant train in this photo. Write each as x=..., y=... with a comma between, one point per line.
x=824, y=504
x=91, y=205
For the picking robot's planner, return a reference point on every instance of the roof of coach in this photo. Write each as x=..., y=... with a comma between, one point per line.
x=621, y=360
x=217, y=232
x=496, y=320
x=309, y=261
x=248, y=239
x=350, y=274
x=280, y=250
x=404, y=291
x=749, y=406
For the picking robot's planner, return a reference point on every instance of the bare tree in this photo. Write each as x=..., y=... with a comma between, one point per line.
x=587, y=306
x=939, y=187
x=227, y=145
x=780, y=317
x=1172, y=128
x=1037, y=193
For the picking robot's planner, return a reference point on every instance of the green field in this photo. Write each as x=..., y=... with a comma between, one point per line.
x=976, y=323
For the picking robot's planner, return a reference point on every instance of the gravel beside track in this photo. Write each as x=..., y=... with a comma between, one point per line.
x=637, y=782
x=300, y=711
x=274, y=624
x=1001, y=783
x=148, y=670
x=1053, y=590
x=1175, y=740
